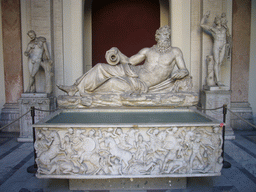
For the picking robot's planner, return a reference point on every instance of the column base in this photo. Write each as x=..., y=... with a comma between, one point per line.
x=9, y=113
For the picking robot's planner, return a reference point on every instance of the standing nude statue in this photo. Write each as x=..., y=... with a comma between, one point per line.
x=221, y=41
x=127, y=76
x=38, y=55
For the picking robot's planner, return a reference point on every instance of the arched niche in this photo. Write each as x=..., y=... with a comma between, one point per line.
x=87, y=43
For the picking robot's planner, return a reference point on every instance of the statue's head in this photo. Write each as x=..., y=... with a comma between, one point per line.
x=70, y=130
x=217, y=20
x=216, y=129
x=140, y=137
x=156, y=131
x=66, y=138
x=119, y=131
x=163, y=32
x=32, y=34
x=92, y=132
x=223, y=15
x=174, y=129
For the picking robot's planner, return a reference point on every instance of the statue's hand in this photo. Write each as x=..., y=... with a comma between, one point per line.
x=50, y=61
x=112, y=56
x=180, y=74
x=207, y=14
x=115, y=49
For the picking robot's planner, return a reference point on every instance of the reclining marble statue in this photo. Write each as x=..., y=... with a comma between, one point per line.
x=127, y=83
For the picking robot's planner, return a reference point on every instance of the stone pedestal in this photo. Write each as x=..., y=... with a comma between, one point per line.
x=38, y=100
x=128, y=184
x=215, y=98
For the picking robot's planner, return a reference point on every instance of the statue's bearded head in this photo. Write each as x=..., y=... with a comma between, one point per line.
x=163, y=36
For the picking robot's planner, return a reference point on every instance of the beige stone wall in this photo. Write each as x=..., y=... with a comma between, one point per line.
x=241, y=50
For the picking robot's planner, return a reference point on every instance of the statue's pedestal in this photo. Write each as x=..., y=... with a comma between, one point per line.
x=128, y=184
x=214, y=98
x=38, y=100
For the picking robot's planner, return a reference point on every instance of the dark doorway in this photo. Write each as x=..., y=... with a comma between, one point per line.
x=129, y=25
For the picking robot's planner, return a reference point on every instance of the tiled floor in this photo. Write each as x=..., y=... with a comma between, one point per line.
x=241, y=153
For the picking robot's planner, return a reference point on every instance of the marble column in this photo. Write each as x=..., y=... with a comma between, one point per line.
x=11, y=30
x=240, y=63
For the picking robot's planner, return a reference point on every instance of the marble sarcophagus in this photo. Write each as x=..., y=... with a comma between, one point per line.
x=128, y=143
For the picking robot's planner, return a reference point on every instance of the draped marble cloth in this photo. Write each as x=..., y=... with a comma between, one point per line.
x=105, y=78
x=112, y=78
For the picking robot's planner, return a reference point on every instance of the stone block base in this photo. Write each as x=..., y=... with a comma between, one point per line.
x=211, y=99
x=38, y=100
x=244, y=110
x=128, y=184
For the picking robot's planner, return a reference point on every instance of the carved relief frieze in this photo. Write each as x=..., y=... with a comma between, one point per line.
x=129, y=151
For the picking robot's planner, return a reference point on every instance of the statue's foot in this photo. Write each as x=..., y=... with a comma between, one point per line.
x=219, y=84
x=70, y=90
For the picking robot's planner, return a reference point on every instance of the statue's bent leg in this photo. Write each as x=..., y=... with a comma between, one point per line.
x=115, y=85
x=94, y=78
x=98, y=75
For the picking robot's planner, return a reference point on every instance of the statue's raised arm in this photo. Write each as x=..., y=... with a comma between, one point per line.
x=204, y=20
